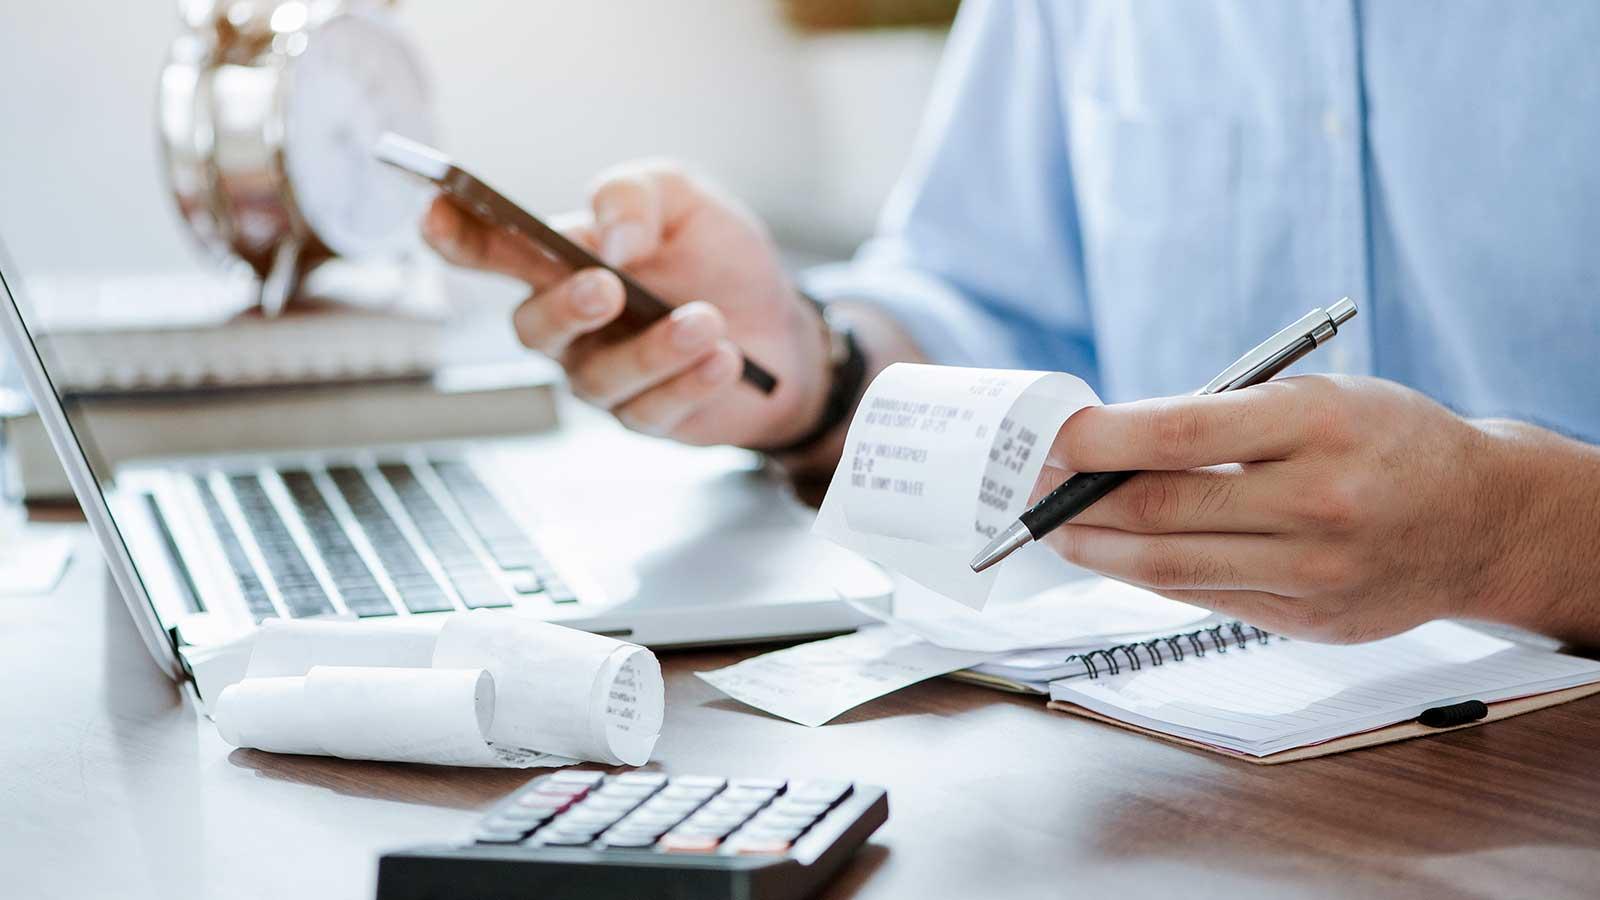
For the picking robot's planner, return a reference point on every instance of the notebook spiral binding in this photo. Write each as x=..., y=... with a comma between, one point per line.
x=1161, y=650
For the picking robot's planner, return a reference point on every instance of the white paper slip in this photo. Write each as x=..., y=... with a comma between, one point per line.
x=1264, y=698
x=470, y=689
x=940, y=459
x=1096, y=610
x=815, y=682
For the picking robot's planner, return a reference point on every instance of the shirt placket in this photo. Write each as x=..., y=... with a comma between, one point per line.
x=1343, y=124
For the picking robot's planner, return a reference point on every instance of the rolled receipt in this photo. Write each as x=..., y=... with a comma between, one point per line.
x=940, y=459
x=439, y=716
x=563, y=691
x=486, y=688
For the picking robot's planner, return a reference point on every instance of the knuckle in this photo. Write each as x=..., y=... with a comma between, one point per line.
x=1337, y=502
x=1149, y=506
x=1163, y=565
x=1173, y=429
x=1065, y=541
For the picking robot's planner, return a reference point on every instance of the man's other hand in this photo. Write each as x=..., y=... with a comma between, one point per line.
x=691, y=246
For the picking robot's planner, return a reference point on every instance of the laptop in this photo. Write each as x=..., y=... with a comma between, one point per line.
x=591, y=527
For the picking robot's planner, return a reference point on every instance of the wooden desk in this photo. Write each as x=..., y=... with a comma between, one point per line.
x=111, y=786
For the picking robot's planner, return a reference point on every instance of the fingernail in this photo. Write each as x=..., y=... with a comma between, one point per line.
x=720, y=367
x=589, y=295
x=621, y=243
x=692, y=327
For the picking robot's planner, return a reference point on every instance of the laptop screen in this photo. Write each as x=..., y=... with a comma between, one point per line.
x=72, y=434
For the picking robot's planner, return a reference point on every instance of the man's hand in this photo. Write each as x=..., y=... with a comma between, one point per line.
x=680, y=376
x=1336, y=509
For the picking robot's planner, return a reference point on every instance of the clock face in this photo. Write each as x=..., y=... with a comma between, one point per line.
x=355, y=79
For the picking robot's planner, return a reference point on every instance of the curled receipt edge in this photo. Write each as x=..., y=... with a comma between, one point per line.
x=940, y=459
x=477, y=689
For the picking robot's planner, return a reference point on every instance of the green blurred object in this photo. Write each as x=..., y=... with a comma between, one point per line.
x=827, y=15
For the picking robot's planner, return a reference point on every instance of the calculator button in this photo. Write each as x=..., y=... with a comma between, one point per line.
x=504, y=821
x=686, y=792
x=782, y=821
x=652, y=818
x=643, y=779
x=525, y=816
x=795, y=807
x=726, y=823
x=584, y=816
x=628, y=791
x=536, y=800
x=629, y=840
x=571, y=791
x=610, y=802
x=691, y=829
x=829, y=792
x=724, y=806
x=675, y=810
x=582, y=777
x=747, y=794
x=710, y=783
x=772, y=832
x=559, y=838
x=499, y=835
x=687, y=843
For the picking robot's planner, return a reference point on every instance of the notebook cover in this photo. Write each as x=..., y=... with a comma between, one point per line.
x=1400, y=731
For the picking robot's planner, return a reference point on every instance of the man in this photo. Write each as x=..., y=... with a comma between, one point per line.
x=1136, y=193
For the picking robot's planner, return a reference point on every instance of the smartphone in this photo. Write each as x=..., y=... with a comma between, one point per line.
x=640, y=307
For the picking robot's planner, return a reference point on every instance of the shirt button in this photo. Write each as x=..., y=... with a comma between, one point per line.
x=1332, y=124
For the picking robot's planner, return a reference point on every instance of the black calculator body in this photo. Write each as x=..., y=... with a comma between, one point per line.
x=582, y=834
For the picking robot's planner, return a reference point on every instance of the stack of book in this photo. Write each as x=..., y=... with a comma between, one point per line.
x=167, y=365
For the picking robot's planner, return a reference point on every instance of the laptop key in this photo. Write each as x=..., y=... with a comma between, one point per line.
x=304, y=595
x=467, y=573
x=256, y=599
x=417, y=588
x=360, y=591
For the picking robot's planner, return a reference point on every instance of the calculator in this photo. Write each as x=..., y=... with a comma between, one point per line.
x=640, y=835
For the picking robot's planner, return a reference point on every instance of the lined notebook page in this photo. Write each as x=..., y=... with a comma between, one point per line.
x=1264, y=698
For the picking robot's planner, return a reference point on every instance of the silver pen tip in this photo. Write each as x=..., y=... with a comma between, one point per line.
x=1003, y=546
x=1342, y=311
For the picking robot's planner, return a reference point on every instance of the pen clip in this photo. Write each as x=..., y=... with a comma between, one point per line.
x=1278, y=352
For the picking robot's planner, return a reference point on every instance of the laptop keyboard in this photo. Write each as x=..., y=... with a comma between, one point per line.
x=256, y=598
x=418, y=589
x=461, y=564
x=297, y=584
x=361, y=592
x=378, y=555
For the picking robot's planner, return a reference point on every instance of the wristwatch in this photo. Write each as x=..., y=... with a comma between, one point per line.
x=847, y=370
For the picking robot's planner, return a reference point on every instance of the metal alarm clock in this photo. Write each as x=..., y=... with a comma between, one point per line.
x=268, y=113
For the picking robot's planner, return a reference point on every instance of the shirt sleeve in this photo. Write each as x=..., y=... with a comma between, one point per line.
x=976, y=253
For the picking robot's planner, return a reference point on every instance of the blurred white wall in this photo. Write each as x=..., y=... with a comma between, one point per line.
x=537, y=95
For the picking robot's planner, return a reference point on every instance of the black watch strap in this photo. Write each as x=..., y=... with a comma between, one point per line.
x=848, y=371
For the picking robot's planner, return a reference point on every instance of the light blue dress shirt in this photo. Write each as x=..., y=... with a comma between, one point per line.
x=1137, y=192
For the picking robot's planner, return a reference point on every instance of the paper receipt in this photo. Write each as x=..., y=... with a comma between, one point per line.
x=815, y=682
x=470, y=689
x=940, y=459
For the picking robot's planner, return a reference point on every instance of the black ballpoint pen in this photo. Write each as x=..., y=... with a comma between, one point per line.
x=1079, y=492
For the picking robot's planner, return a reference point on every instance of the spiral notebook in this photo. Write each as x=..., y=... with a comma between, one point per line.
x=1237, y=690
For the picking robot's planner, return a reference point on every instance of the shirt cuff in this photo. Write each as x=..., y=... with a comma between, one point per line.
x=947, y=326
